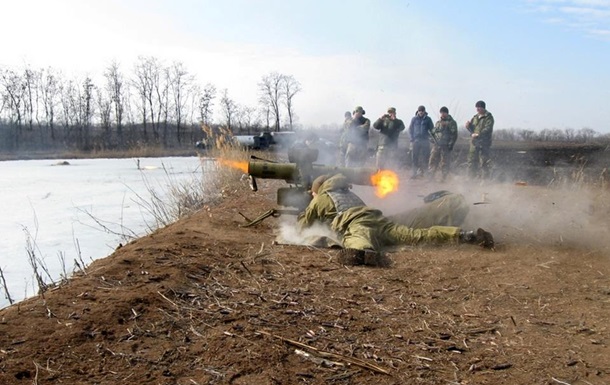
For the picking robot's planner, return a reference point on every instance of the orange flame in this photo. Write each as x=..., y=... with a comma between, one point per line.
x=242, y=166
x=385, y=181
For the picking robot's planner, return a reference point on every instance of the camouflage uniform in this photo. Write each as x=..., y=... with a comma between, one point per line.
x=357, y=139
x=362, y=227
x=343, y=139
x=389, y=130
x=441, y=208
x=445, y=132
x=479, y=154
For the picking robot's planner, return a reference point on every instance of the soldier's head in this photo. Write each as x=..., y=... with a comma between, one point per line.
x=319, y=181
x=347, y=115
x=421, y=111
x=480, y=106
x=444, y=112
x=359, y=111
x=392, y=112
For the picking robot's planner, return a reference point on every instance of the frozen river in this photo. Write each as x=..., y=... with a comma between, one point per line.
x=78, y=211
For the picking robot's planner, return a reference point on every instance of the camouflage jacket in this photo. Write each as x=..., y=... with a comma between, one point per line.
x=445, y=131
x=484, y=126
x=358, y=131
x=322, y=208
x=389, y=131
x=344, y=130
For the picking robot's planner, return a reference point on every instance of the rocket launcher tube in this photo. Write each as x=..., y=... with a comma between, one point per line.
x=291, y=173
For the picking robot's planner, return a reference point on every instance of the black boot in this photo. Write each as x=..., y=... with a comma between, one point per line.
x=351, y=257
x=355, y=257
x=478, y=237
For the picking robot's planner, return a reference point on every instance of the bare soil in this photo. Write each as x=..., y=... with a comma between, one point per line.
x=204, y=301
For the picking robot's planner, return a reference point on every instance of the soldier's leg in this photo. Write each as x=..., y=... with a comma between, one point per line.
x=393, y=234
x=359, y=236
x=485, y=155
x=341, y=156
x=445, y=161
x=351, y=155
x=425, y=157
x=435, y=157
x=381, y=157
x=473, y=161
x=415, y=150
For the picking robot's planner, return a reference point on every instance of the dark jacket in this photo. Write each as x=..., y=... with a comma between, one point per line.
x=389, y=130
x=358, y=131
x=420, y=128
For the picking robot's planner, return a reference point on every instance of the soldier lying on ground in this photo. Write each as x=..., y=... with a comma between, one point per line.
x=364, y=231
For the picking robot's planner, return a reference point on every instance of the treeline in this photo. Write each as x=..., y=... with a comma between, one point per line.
x=571, y=135
x=152, y=105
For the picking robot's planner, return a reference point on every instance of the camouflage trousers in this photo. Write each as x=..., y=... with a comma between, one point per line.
x=479, y=161
x=371, y=230
x=355, y=155
x=386, y=157
x=449, y=210
x=440, y=157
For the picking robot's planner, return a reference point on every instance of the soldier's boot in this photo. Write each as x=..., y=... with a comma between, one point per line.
x=355, y=257
x=478, y=237
x=376, y=259
x=351, y=257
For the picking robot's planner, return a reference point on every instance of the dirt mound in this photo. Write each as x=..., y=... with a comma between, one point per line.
x=206, y=302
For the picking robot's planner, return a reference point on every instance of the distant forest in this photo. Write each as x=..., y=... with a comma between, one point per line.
x=154, y=105
x=161, y=106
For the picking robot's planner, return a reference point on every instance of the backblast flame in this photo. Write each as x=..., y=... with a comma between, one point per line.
x=385, y=182
x=242, y=166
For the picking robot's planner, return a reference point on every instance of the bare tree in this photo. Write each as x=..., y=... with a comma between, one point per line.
x=228, y=108
x=104, y=106
x=244, y=117
x=205, y=104
x=12, y=95
x=271, y=95
x=29, y=91
x=182, y=86
x=115, y=88
x=50, y=90
x=291, y=88
x=146, y=82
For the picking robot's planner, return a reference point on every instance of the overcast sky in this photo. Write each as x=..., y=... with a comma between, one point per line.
x=537, y=63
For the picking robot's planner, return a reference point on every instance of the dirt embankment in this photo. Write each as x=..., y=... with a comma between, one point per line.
x=204, y=301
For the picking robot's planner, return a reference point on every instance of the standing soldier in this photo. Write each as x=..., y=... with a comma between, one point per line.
x=445, y=134
x=357, y=139
x=389, y=128
x=420, y=130
x=481, y=128
x=343, y=139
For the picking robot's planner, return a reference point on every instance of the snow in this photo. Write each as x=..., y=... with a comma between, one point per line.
x=84, y=207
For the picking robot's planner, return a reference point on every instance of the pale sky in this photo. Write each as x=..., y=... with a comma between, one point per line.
x=536, y=63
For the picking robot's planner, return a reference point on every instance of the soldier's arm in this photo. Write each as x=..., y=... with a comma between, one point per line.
x=366, y=125
x=308, y=217
x=488, y=125
x=401, y=126
x=453, y=133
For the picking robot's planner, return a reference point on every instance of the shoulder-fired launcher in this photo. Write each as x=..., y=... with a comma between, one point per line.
x=300, y=172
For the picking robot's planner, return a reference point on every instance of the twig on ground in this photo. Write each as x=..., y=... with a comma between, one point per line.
x=350, y=360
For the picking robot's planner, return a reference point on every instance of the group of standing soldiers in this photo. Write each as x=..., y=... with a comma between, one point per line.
x=431, y=143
